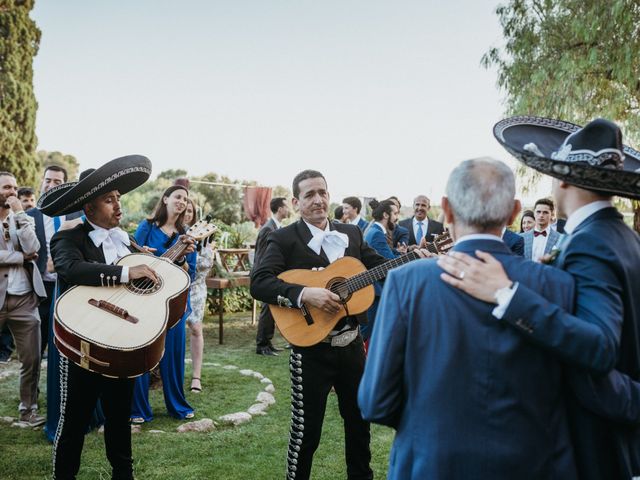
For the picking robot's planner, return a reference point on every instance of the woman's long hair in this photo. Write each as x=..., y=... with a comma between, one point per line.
x=195, y=213
x=160, y=213
x=526, y=213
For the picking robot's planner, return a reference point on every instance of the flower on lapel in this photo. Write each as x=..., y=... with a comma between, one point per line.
x=550, y=257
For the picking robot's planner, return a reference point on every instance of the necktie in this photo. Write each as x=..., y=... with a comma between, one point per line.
x=56, y=224
x=420, y=233
x=543, y=233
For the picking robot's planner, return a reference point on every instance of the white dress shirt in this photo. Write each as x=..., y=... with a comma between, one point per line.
x=355, y=221
x=539, y=244
x=49, y=231
x=114, y=244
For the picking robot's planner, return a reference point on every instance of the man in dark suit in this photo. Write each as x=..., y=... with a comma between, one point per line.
x=85, y=255
x=420, y=225
x=351, y=208
x=266, y=327
x=46, y=226
x=337, y=361
x=468, y=398
x=603, y=255
x=514, y=241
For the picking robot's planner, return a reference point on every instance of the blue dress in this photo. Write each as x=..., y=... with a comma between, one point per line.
x=377, y=240
x=172, y=363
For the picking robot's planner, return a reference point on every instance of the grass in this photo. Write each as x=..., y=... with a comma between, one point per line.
x=251, y=451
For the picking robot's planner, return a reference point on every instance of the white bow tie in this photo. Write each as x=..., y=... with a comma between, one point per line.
x=332, y=241
x=117, y=235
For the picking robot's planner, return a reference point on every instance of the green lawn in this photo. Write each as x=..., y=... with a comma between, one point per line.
x=251, y=451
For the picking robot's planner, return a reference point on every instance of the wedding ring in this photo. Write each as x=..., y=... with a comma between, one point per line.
x=461, y=276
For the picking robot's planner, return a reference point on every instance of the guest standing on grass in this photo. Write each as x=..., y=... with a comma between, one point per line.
x=204, y=262
x=161, y=232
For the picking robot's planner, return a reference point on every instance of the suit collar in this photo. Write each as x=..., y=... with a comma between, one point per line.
x=585, y=213
x=486, y=244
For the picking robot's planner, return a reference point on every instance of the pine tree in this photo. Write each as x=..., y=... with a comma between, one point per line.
x=19, y=41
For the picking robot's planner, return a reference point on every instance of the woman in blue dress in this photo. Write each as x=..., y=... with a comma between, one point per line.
x=161, y=231
x=385, y=216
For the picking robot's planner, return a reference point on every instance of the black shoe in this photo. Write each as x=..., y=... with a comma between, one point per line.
x=266, y=351
x=275, y=349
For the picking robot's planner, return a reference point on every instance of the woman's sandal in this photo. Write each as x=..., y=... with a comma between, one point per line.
x=195, y=389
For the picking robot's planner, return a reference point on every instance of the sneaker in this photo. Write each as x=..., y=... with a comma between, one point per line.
x=31, y=418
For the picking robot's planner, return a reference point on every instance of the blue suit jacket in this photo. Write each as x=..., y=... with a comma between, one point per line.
x=377, y=240
x=41, y=262
x=514, y=241
x=603, y=255
x=362, y=224
x=552, y=240
x=470, y=398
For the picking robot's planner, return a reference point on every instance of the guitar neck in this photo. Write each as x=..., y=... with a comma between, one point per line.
x=367, y=278
x=175, y=251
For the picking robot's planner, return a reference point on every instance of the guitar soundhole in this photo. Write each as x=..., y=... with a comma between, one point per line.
x=339, y=287
x=144, y=286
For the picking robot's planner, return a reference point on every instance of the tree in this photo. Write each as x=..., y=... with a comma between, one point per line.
x=19, y=41
x=68, y=162
x=571, y=59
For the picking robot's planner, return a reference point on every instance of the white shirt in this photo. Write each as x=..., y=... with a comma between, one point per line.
x=275, y=220
x=355, y=221
x=575, y=219
x=425, y=225
x=49, y=231
x=18, y=280
x=114, y=246
x=539, y=244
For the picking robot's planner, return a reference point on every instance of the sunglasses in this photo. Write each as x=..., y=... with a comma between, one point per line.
x=5, y=229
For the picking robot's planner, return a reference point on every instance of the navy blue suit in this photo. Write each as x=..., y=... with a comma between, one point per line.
x=362, y=224
x=433, y=228
x=469, y=397
x=603, y=255
x=514, y=241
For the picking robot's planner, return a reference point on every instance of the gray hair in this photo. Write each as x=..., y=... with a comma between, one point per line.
x=481, y=192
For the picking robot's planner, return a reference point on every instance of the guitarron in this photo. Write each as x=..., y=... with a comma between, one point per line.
x=119, y=331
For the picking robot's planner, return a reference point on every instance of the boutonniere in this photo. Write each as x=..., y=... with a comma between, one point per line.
x=550, y=257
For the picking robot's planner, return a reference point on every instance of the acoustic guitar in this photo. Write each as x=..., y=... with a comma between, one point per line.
x=119, y=331
x=348, y=278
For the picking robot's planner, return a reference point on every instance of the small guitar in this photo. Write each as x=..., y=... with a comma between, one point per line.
x=348, y=278
x=119, y=331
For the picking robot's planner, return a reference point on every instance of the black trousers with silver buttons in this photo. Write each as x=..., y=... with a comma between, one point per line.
x=314, y=370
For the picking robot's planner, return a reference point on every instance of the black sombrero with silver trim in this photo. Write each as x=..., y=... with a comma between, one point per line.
x=123, y=174
x=591, y=157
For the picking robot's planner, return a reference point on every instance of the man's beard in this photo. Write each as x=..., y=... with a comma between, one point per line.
x=391, y=226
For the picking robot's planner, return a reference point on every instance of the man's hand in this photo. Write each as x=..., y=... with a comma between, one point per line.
x=190, y=242
x=142, y=271
x=14, y=203
x=50, y=266
x=480, y=278
x=424, y=253
x=27, y=257
x=321, y=298
x=146, y=249
x=402, y=248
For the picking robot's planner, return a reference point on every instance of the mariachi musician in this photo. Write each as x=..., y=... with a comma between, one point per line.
x=85, y=255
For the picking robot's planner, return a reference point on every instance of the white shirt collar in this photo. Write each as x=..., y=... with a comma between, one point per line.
x=584, y=212
x=384, y=230
x=275, y=220
x=332, y=242
x=424, y=222
x=355, y=221
x=478, y=236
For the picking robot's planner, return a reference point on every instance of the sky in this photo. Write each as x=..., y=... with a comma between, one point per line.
x=384, y=98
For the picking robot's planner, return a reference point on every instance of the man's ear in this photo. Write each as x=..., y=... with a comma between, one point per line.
x=295, y=203
x=448, y=211
x=517, y=207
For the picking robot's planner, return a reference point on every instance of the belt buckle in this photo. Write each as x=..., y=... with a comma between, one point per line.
x=344, y=339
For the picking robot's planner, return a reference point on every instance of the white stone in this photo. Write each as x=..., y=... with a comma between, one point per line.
x=266, y=397
x=203, y=425
x=20, y=425
x=265, y=380
x=246, y=373
x=7, y=419
x=236, y=418
x=270, y=388
x=230, y=367
x=136, y=428
x=258, y=375
x=156, y=431
x=258, y=409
